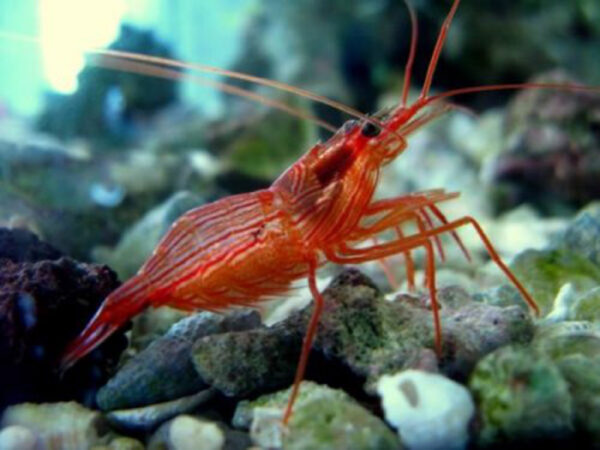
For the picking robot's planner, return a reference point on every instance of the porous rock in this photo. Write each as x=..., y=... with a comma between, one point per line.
x=521, y=396
x=43, y=306
x=323, y=418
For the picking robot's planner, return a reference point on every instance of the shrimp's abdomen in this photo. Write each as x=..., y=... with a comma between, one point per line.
x=235, y=251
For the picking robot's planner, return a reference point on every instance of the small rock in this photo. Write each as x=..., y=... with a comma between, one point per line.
x=477, y=329
x=67, y=426
x=544, y=272
x=521, y=396
x=125, y=443
x=147, y=417
x=322, y=418
x=17, y=437
x=249, y=363
x=187, y=433
x=583, y=375
x=430, y=411
x=164, y=370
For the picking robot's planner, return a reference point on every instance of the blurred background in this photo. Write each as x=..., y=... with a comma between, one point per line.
x=99, y=162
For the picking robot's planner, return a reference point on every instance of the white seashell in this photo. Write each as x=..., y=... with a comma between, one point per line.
x=429, y=410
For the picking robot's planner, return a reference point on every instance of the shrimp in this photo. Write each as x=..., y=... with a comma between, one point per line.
x=243, y=249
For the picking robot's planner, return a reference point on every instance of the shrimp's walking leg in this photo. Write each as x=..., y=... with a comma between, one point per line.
x=308, y=339
x=408, y=263
x=387, y=270
x=435, y=307
x=344, y=256
x=359, y=255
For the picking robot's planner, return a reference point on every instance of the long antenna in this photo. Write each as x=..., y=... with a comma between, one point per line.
x=439, y=45
x=414, y=34
x=168, y=62
x=512, y=87
x=125, y=65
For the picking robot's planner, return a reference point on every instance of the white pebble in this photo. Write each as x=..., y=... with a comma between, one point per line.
x=429, y=411
x=16, y=437
x=267, y=428
x=189, y=433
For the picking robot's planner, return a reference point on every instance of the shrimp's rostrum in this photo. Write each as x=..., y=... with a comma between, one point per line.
x=246, y=248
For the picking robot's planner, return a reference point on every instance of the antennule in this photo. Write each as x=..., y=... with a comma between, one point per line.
x=439, y=45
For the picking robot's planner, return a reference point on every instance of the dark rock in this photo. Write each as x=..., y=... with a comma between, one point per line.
x=22, y=245
x=43, y=306
x=164, y=370
x=552, y=155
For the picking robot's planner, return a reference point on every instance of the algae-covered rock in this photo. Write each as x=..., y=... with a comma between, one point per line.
x=164, y=370
x=583, y=376
x=364, y=335
x=521, y=396
x=429, y=410
x=574, y=346
x=322, y=418
x=587, y=306
x=67, y=426
x=249, y=363
x=264, y=149
x=137, y=243
x=544, y=272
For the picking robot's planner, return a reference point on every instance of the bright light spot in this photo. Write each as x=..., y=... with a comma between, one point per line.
x=68, y=28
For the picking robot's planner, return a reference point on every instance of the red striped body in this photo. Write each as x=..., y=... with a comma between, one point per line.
x=233, y=251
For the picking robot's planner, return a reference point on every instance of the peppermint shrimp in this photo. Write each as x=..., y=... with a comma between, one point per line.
x=243, y=249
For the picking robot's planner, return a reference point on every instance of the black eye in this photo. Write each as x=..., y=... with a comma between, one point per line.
x=370, y=130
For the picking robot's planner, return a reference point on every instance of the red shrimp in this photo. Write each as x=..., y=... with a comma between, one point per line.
x=246, y=248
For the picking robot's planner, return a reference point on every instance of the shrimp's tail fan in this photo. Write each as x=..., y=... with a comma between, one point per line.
x=120, y=306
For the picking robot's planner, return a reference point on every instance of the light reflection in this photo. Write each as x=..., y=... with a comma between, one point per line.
x=67, y=29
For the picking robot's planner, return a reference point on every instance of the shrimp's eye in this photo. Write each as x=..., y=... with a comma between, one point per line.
x=370, y=130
